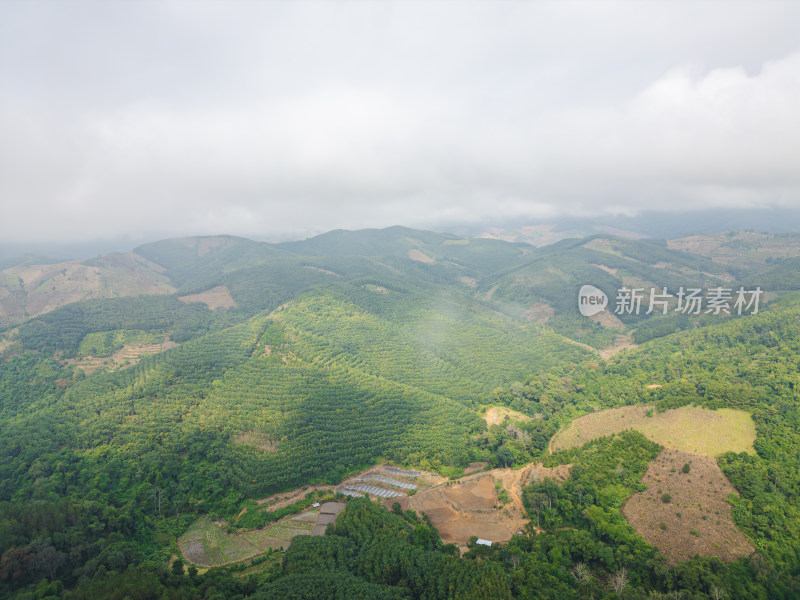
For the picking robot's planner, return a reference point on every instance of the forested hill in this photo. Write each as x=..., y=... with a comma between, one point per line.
x=515, y=279
x=255, y=368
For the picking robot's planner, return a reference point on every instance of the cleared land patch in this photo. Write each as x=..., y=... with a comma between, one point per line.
x=539, y=312
x=470, y=506
x=695, y=518
x=496, y=415
x=207, y=544
x=321, y=270
x=420, y=256
x=689, y=429
x=378, y=289
x=31, y=290
x=469, y=281
x=127, y=356
x=216, y=297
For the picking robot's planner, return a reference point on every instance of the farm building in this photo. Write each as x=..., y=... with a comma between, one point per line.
x=483, y=542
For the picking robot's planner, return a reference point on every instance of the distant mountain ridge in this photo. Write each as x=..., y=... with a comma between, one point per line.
x=514, y=278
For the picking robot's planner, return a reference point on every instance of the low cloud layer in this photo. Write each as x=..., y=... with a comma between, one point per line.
x=279, y=118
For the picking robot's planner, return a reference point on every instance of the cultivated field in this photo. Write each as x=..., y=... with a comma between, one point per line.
x=689, y=429
x=696, y=519
x=207, y=544
x=127, y=356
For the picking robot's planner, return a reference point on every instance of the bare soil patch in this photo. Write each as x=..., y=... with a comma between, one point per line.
x=31, y=290
x=277, y=501
x=539, y=312
x=602, y=245
x=475, y=467
x=470, y=506
x=470, y=282
x=606, y=269
x=697, y=519
x=496, y=415
x=419, y=256
x=488, y=295
x=216, y=297
x=608, y=320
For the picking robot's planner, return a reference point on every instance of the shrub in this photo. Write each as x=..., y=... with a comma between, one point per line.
x=686, y=468
x=666, y=498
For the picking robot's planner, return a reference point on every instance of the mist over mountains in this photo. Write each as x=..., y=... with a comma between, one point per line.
x=656, y=224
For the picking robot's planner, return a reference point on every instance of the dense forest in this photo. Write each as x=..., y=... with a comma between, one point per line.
x=343, y=351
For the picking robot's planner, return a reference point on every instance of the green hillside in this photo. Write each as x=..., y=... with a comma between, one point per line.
x=355, y=347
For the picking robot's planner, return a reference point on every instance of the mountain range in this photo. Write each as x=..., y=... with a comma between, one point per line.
x=187, y=400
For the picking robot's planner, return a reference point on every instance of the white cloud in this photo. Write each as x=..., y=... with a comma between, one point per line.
x=256, y=119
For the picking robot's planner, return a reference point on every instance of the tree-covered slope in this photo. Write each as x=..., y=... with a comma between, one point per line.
x=337, y=360
x=750, y=363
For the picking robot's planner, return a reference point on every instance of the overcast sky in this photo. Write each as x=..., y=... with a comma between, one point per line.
x=265, y=119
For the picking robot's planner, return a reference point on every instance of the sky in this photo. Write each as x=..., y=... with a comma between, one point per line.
x=274, y=120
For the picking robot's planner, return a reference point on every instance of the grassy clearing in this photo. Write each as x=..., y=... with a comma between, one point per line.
x=702, y=431
x=688, y=429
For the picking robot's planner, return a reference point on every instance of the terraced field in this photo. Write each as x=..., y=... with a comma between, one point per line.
x=207, y=544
